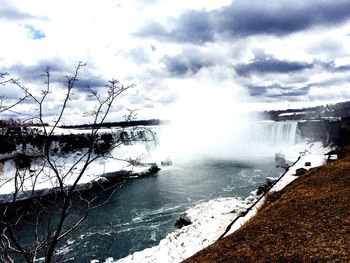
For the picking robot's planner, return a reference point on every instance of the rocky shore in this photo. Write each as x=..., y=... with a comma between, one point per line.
x=307, y=221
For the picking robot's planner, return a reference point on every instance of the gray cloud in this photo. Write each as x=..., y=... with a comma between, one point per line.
x=190, y=61
x=250, y=17
x=247, y=17
x=331, y=67
x=344, y=68
x=179, y=65
x=59, y=69
x=10, y=13
x=257, y=91
x=278, y=91
x=34, y=73
x=192, y=26
x=271, y=65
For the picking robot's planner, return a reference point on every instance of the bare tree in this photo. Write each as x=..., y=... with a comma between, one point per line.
x=52, y=219
x=5, y=79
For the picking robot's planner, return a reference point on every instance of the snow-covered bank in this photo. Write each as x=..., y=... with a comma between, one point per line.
x=132, y=156
x=210, y=219
x=28, y=183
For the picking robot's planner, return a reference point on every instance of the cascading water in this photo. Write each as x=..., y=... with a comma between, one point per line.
x=276, y=133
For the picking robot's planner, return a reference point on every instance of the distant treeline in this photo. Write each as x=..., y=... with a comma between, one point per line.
x=17, y=123
x=121, y=124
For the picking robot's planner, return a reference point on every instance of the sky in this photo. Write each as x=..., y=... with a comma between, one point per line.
x=259, y=55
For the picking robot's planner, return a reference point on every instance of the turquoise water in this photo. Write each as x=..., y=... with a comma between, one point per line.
x=143, y=211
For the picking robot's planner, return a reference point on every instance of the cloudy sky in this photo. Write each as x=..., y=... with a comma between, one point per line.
x=258, y=54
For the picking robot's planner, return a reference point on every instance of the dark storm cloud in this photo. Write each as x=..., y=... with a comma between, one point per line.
x=271, y=65
x=246, y=17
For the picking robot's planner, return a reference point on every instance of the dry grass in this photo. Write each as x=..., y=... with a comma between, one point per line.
x=308, y=221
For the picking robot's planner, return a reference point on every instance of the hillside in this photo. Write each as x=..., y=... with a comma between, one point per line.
x=308, y=221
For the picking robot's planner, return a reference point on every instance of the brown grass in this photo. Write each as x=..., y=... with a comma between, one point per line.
x=308, y=221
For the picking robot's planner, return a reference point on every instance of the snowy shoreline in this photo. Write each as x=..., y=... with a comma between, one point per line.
x=98, y=172
x=210, y=219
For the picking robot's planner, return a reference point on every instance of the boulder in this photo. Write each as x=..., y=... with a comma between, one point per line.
x=154, y=168
x=166, y=162
x=182, y=221
x=307, y=163
x=300, y=171
x=281, y=161
x=266, y=187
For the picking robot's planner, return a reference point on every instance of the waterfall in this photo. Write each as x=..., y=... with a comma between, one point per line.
x=276, y=133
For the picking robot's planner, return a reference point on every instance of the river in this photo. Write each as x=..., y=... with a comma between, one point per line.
x=144, y=211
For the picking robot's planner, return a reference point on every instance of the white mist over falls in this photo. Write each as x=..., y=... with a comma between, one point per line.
x=206, y=123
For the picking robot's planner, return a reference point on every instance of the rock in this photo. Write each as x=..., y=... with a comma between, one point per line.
x=23, y=161
x=154, y=168
x=281, y=161
x=300, y=171
x=307, y=163
x=166, y=162
x=182, y=221
x=266, y=187
x=332, y=157
x=279, y=158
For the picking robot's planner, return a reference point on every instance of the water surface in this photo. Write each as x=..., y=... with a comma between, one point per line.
x=143, y=211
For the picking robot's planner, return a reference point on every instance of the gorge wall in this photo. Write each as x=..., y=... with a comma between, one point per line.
x=336, y=132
